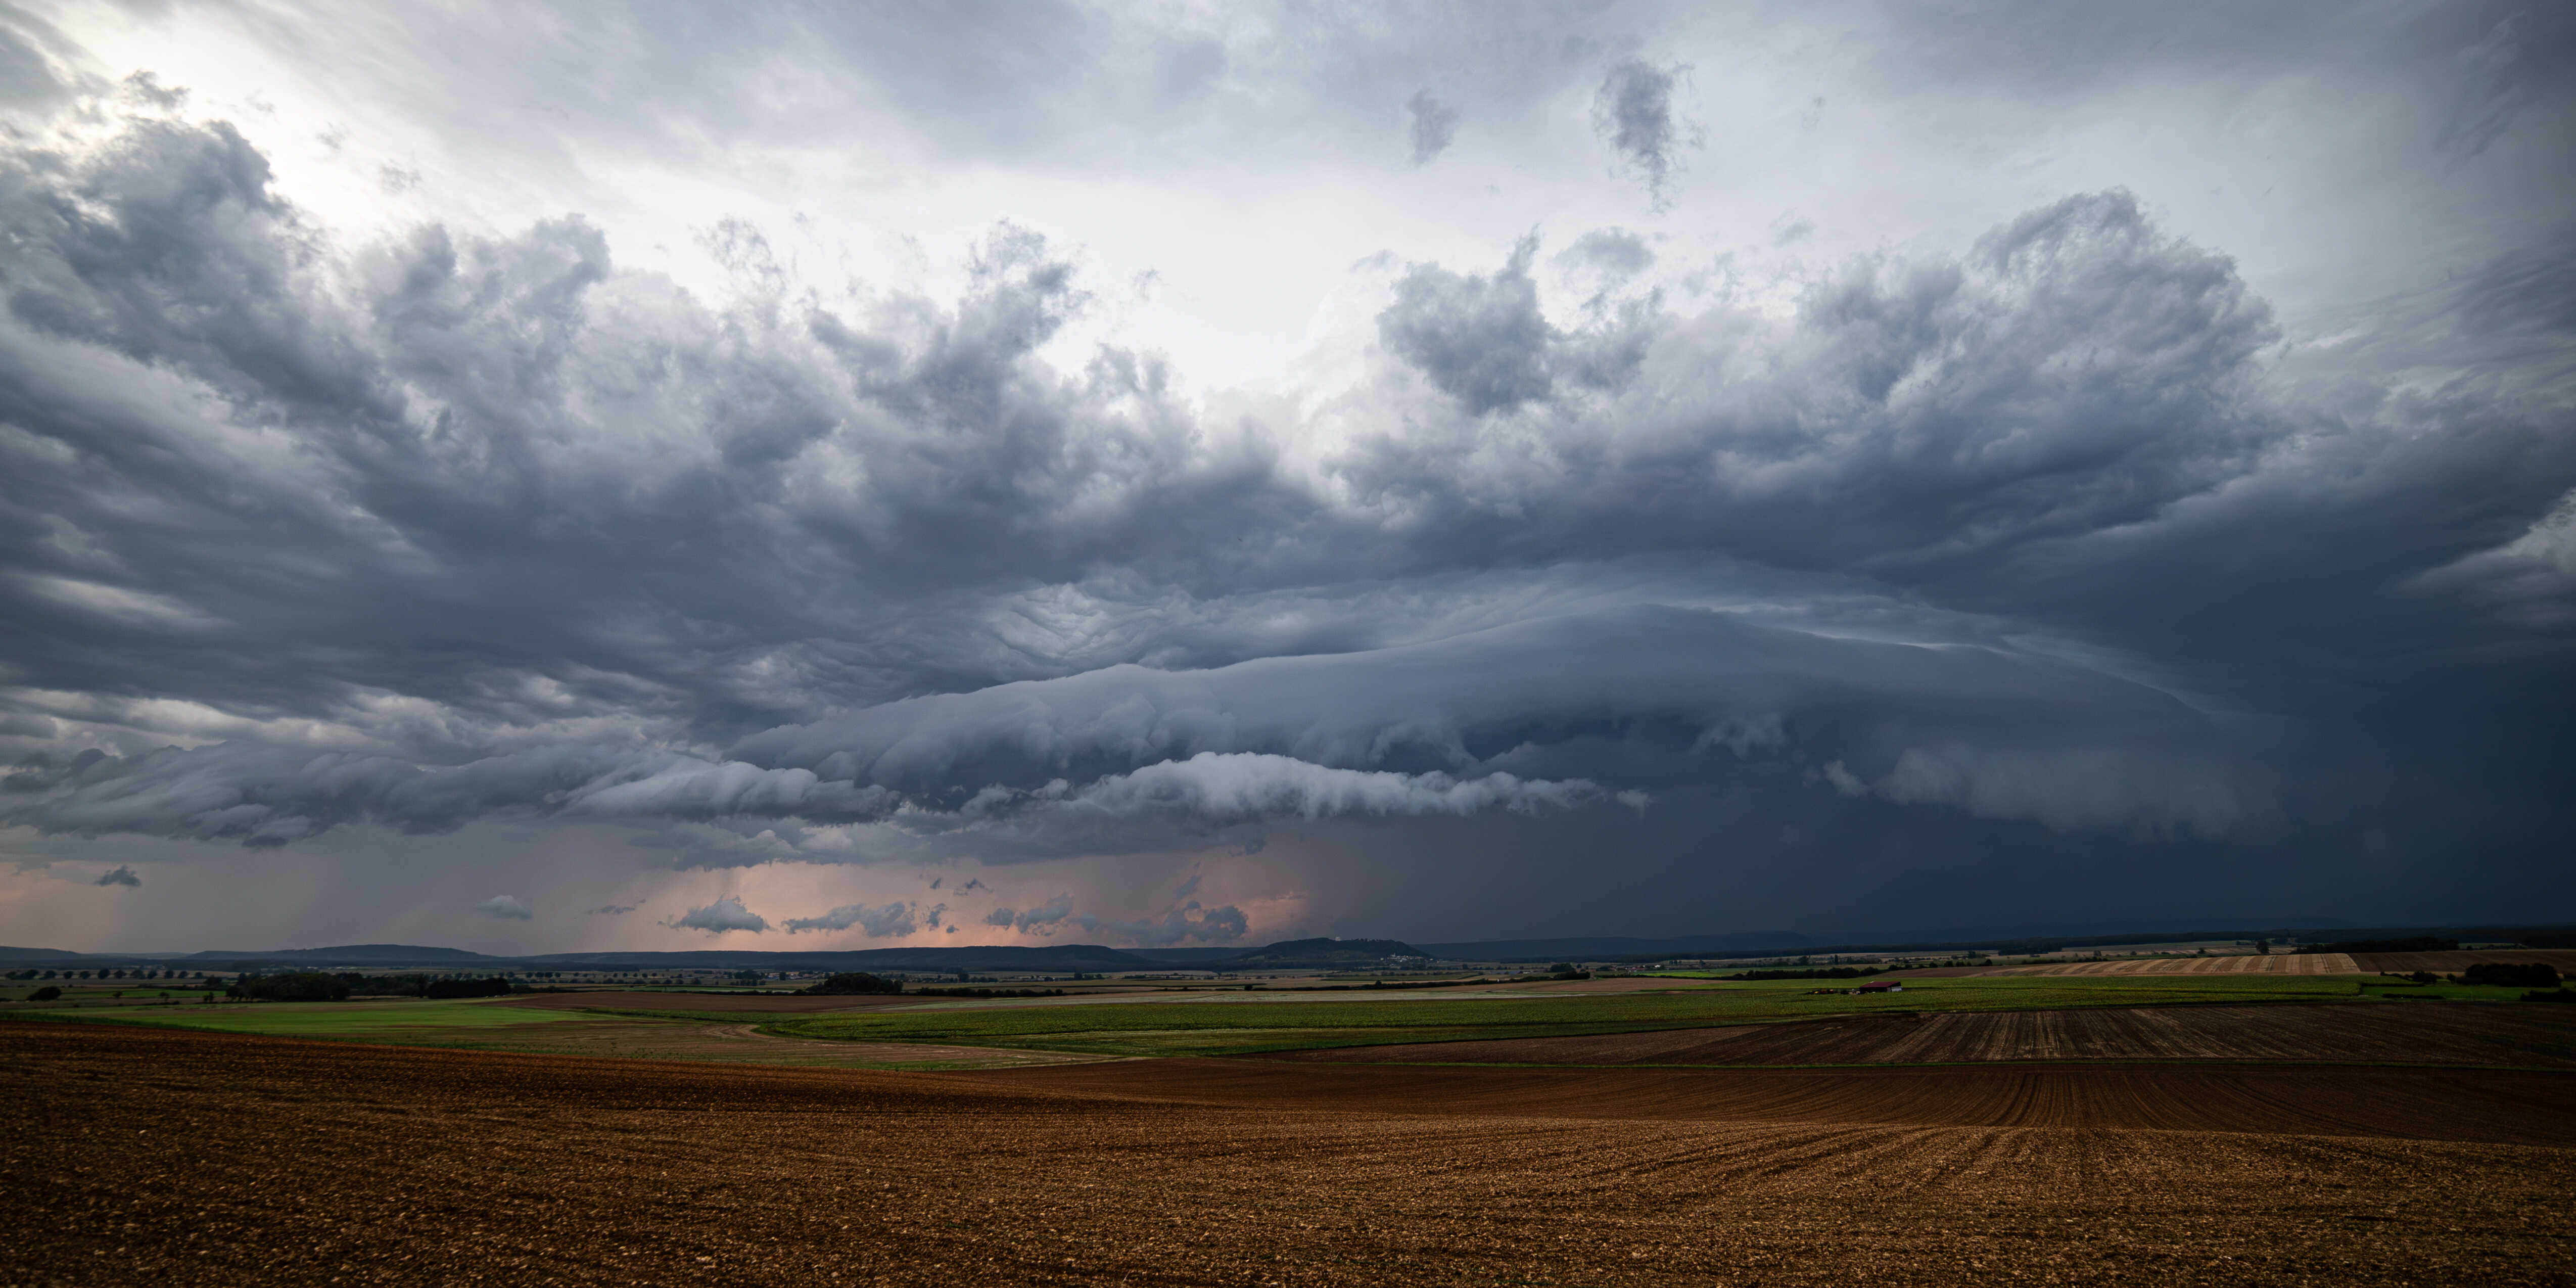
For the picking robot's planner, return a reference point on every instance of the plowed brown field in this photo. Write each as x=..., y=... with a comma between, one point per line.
x=138, y=1156
x=2467, y=1033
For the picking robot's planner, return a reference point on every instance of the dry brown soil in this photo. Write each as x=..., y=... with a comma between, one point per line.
x=2464, y=1033
x=139, y=1156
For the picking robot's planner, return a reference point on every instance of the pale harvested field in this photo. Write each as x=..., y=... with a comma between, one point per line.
x=2453, y=963
x=2243, y=964
x=154, y=1156
x=2434, y=1033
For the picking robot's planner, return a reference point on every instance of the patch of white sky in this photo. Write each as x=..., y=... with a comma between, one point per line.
x=1263, y=259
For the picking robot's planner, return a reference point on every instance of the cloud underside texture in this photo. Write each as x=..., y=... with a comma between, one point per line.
x=448, y=526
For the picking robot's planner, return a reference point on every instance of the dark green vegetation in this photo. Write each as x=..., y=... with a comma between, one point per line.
x=2417, y=944
x=1256, y=1022
x=295, y=986
x=2512, y=974
x=854, y=984
x=1826, y=972
x=319, y=986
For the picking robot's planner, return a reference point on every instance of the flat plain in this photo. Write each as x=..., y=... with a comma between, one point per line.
x=145, y=1155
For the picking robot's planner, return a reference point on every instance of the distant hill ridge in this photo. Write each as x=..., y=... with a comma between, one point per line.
x=1321, y=952
x=353, y=954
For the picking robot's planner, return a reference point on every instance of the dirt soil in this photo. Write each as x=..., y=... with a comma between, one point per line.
x=2465, y=1033
x=167, y=1157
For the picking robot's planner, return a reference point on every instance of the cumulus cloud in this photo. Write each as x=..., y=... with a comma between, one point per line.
x=1480, y=339
x=504, y=907
x=120, y=875
x=1043, y=918
x=724, y=914
x=892, y=921
x=611, y=910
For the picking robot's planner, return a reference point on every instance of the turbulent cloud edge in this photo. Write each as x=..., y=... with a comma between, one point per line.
x=263, y=796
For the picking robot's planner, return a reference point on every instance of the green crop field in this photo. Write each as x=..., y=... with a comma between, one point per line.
x=1218, y=1023
x=1231, y=1027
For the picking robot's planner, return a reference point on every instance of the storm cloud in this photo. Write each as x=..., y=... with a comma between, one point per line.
x=2061, y=520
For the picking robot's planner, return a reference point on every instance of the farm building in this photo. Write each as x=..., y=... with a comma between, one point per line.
x=1882, y=986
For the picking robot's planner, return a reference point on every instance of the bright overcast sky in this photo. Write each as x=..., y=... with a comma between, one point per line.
x=850, y=476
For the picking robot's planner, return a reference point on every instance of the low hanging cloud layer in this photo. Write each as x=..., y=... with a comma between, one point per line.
x=2058, y=527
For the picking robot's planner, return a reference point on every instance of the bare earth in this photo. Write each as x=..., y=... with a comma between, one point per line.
x=139, y=1156
x=2464, y=1033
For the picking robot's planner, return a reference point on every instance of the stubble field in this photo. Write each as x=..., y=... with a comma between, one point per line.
x=160, y=1156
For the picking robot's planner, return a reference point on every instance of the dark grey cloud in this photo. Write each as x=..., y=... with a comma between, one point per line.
x=2057, y=530
x=1434, y=124
x=1480, y=339
x=1188, y=923
x=120, y=875
x=893, y=920
x=1634, y=112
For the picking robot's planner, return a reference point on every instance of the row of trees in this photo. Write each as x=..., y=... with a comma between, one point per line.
x=318, y=986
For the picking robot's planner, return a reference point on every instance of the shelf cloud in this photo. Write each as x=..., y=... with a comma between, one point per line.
x=2011, y=508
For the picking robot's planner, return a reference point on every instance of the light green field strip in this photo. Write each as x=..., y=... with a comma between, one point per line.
x=1205, y=1026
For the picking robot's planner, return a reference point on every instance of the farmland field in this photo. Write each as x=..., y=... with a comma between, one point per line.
x=2455, y=962
x=1251, y=1023
x=903, y=1032
x=143, y=1155
x=2240, y=964
x=2512, y=1036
